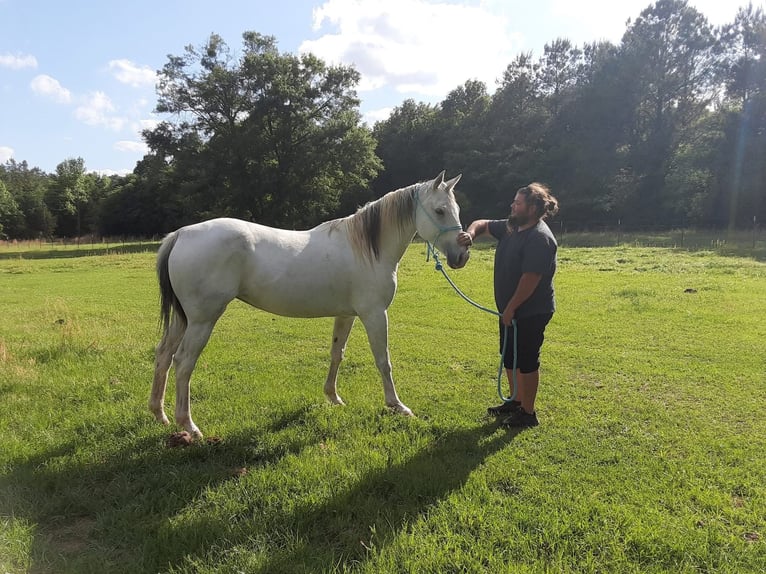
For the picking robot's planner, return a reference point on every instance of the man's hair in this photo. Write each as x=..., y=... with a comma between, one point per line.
x=540, y=197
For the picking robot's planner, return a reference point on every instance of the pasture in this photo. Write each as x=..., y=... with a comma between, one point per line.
x=649, y=455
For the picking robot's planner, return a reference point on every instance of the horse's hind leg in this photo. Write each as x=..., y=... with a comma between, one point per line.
x=163, y=357
x=340, y=333
x=194, y=340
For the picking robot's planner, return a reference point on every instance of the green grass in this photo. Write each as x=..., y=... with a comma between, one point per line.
x=649, y=456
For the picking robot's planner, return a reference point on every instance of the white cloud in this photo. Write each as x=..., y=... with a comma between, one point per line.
x=110, y=172
x=131, y=147
x=96, y=111
x=129, y=73
x=44, y=85
x=146, y=125
x=378, y=115
x=6, y=153
x=17, y=61
x=389, y=45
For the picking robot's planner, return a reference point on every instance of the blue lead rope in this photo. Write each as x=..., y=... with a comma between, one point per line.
x=440, y=267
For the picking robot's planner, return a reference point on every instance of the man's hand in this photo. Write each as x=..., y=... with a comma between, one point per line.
x=464, y=239
x=508, y=316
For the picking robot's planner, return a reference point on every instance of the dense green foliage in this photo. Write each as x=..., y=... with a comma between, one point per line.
x=649, y=456
x=666, y=128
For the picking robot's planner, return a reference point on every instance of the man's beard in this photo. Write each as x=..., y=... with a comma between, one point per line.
x=518, y=220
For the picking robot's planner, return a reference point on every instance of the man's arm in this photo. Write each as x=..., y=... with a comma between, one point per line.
x=527, y=285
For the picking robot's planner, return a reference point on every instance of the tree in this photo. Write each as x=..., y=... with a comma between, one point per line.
x=462, y=124
x=408, y=145
x=671, y=49
x=516, y=123
x=741, y=169
x=68, y=195
x=28, y=188
x=267, y=136
x=9, y=210
x=559, y=72
x=584, y=144
x=742, y=45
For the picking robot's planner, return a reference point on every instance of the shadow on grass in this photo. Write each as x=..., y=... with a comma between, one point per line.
x=350, y=527
x=101, y=514
x=119, y=512
x=353, y=526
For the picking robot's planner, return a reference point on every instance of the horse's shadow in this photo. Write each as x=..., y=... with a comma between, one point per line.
x=151, y=486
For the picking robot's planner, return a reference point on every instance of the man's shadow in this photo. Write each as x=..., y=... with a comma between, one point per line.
x=352, y=526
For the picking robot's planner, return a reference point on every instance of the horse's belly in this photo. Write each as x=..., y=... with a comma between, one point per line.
x=313, y=281
x=292, y=300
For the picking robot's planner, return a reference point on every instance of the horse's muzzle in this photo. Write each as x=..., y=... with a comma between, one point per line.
x=457, y=258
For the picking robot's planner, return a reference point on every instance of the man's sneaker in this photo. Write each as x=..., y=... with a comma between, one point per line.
x=507, y=408
x=520, y=419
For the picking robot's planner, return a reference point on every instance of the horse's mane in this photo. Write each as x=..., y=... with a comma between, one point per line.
x=365, y=227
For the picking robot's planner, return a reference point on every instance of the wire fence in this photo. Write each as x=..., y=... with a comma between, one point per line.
x=750, y=241
x=76, y=246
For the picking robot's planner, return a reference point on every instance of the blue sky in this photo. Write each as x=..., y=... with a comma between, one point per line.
x=77, y=76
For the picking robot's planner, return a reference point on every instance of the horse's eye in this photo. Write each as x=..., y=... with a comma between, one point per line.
x=439, y=211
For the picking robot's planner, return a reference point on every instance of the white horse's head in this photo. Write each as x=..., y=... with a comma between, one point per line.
x=437, y=218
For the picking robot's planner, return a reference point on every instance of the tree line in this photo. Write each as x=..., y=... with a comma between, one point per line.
x=667, y=127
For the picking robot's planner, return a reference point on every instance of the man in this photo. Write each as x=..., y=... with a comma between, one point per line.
x=525, y=262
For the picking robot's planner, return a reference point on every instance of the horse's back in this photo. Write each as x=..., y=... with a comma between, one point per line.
x=295, y=273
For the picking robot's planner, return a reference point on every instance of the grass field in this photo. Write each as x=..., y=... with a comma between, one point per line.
x=649, y=456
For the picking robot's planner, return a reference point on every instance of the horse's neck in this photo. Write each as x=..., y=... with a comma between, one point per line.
x=393, y=247
x=395, y=241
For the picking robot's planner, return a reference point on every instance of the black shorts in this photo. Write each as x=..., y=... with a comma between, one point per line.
x=530, y=334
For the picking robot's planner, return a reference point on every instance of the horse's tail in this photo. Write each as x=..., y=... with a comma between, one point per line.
x=168, y=299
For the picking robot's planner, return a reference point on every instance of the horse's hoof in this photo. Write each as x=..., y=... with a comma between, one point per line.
x=162, y=418
x=336, y=400
x=402, y=410
x=190, y=427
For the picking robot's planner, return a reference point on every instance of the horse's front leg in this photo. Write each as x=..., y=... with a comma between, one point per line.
x=340, y=334
x=376, y=325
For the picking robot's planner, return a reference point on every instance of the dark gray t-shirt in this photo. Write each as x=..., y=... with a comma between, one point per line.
x=530, y=251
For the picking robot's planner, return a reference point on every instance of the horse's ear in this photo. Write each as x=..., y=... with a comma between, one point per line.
x=453, y=182
x=438, y=181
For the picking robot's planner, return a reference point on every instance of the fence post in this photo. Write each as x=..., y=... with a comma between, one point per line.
x=755, y=228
